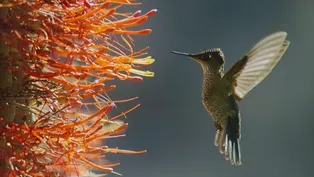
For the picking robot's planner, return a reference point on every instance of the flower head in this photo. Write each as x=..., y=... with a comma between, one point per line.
x=60, y=57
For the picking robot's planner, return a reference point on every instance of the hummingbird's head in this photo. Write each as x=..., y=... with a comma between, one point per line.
x=213, y=57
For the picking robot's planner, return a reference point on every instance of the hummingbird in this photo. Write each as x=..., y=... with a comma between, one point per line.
x=221, y=91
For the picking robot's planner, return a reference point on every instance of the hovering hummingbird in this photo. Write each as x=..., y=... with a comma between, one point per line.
x=220, y=91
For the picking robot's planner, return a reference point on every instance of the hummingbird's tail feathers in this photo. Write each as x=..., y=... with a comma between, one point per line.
x=257, y=63
x=232, y=141
x=232, y=151
x=228, y=141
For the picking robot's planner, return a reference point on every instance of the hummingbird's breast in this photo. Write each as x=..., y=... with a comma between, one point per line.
x=219, y=107
x=216, y=96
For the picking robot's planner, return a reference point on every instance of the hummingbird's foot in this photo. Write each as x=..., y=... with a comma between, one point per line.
x=217, y=136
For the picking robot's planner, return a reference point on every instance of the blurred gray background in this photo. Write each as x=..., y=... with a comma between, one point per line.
x=277, y=116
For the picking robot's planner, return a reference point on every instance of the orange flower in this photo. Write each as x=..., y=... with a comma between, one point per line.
x=60, y=58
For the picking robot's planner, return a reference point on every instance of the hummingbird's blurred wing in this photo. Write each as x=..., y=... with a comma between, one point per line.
x=256, y=64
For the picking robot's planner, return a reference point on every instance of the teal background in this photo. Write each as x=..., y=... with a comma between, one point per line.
x=277, y=115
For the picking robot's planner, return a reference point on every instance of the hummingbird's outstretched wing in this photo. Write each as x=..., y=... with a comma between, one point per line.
x=256, y=64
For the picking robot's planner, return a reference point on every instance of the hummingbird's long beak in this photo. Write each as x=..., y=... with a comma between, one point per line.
x=181, y=53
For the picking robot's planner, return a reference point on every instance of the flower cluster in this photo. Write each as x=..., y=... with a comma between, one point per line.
x=57, y=58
